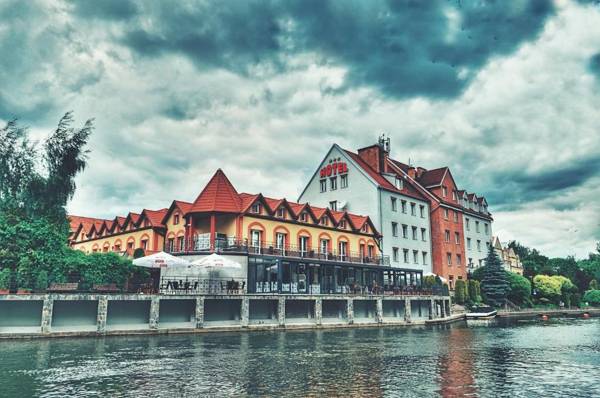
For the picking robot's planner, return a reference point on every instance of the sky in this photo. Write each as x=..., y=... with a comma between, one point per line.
x=507, y=94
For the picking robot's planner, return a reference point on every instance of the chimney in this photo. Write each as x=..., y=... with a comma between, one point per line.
x=376, y=155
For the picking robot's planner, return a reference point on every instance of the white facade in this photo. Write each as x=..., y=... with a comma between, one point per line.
x=478, y=236
x=406, y=234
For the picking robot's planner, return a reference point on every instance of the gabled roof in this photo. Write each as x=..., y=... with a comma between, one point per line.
x=184, y=207
x=218, y=195
x=432, y=178
x=379, y=179
x=155, y=217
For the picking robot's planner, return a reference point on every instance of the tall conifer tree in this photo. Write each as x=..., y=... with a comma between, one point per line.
x=494, y=284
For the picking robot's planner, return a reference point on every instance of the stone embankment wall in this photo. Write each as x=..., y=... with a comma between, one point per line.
x=39, y=315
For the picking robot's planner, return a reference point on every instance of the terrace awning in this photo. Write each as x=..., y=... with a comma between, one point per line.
x=160, y=260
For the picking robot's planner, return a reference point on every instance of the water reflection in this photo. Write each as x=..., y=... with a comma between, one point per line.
x=530, y=359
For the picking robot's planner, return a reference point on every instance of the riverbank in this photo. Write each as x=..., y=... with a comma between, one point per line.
x=62, y=315
x=538, y=313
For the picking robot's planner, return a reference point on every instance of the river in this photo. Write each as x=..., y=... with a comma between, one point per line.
x=559, y=358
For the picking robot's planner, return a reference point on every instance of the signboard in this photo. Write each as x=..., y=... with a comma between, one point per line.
x=334, y=169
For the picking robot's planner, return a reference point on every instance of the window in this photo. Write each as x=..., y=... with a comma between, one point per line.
x=480, y=262
x=394, y=204
x=467, y=226
x=365, y=228
x=478, y=245
x=414, y=233
x=405, y=252
x=486, y=229
x=454, y=195
x=344, y=181
x=129, y=245
x=423, y=234
x=470, y=262
x=395, y=254
x=256, y=208
x=342, y=248
x=323, y=183
x=413, y=209
x=280, y=240
x=324, y=246
x=333, y=183
x=180, y=241
x=281, y=212
x=455, y=216
x=405, y=231
x=333, y=205
x=255, y=238
x=422, y=211
x=469, y=243
x=176, y=219
x=449, y=258
x=457, y=238
x=361, y=249
x=144, y=244
x=416, y=256
x=395, y=228
x=399, y=183
x=170, y=244
x=458, y=259
x=446, y=214
x=371, y=251
x=323, y=221
x=303, y=243
x=424, y=254
x=342, y=224
x=447, y=236
x=303, y=216
x=487, y=245
x=477, y=226
x=403, y=203
x=444, y=191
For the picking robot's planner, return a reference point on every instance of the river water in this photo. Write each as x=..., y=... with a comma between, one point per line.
x=560, y=358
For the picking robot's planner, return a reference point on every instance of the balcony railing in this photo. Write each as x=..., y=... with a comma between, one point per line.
x=233, y=245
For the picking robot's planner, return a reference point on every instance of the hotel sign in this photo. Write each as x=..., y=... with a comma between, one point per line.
x=334, y=168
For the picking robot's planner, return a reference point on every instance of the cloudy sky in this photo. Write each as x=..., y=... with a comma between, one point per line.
x=505, y=93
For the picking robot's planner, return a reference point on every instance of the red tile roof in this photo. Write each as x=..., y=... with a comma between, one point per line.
x=183, y=206
x=432, y=177
x=218, y=195
x=155, y=216
x=371, y=172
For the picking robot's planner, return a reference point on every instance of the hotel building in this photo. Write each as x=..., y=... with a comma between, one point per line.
x=285, y=247
x=426, y=221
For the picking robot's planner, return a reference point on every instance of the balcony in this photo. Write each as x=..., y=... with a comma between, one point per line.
x=234, y=245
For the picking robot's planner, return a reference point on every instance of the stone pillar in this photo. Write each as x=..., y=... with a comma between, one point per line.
x=245, y=311
x=154, y=311
x=102, y=314
x=407, y=310
x=350, y=311
x=432, y=309
x=442, y=309
x=449, y=309
x=319, y=311
x=281, y=311
x=379, y=311
x=47, y=314
x=199, y=312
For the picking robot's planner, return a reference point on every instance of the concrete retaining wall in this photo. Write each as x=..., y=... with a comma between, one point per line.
x=40, y=315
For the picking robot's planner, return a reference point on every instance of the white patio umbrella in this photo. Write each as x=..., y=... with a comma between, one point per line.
x=216, y=261
x=160, y=260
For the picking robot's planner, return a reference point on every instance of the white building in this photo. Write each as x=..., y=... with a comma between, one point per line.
x=477, y=229
x=345, y=181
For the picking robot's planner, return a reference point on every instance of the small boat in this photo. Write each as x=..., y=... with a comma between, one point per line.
x=482, y=312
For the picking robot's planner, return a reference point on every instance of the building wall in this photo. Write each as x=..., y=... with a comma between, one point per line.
x=155, y=241
x=361, y=195
x=477, y=256
x=295, y=230
x=440, y=247
x=388, y=215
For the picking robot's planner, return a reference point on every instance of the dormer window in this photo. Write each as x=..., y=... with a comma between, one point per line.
x=281, y=212
x=343, y=224
x=399, y=183
x=323, y=220
x=454, y=195
x=256, y=208
x=176, y=219
x=303, y=216
x=365, y=228
x=444, y=191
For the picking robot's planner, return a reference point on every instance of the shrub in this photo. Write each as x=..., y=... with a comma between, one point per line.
x=474, y=291
x=594, y=285
x=5, y=277
x=460, y=292
x=592, y=297
x=41, y=281
x=548, y=288
x=520, y=288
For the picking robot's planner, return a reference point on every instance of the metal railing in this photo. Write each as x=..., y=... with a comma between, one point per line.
x=174, y=285
x=233, y=245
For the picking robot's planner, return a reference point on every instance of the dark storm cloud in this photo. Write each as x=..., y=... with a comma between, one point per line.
x=404, y=48
x=104, y=9
x=594, y=65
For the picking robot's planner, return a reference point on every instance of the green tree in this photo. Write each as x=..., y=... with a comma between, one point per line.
x=520, y=288
x=494, y=284
x=594, y=285
x=592, y=297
